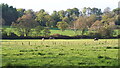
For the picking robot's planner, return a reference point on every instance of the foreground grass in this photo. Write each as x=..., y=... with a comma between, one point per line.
x=82, y=52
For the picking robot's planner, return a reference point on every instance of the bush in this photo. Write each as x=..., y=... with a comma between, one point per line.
x=13, y=35
x=94, y=35
x=46, y=32
x=4, y=35
x=118, y=36
x=106, y=32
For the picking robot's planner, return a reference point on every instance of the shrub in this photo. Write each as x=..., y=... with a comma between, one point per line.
x=4, y=35
x=46, y=32
x=106, y=32
x=13, y=35
x=94, y=35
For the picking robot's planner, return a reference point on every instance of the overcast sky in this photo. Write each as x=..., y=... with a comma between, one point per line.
x=51, y=5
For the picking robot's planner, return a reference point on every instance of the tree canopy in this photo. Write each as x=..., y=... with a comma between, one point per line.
x=41, y=21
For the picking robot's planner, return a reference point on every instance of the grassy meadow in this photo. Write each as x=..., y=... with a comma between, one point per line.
x=67, y=32
x=60, y=52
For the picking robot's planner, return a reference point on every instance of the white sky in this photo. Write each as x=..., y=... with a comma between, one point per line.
x=51, y=5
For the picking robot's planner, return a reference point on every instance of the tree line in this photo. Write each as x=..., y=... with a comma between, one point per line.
x=89, y=19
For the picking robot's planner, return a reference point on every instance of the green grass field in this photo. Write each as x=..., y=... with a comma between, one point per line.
x=56, y=31
x=72, y=52
x=66, y=32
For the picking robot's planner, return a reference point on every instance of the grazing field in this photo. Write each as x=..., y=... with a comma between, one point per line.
x=73, y=52
x=66, y=32
x=57, y=31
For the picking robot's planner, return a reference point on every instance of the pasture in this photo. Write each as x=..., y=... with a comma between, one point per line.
x=67, y=32
x=60, y=52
